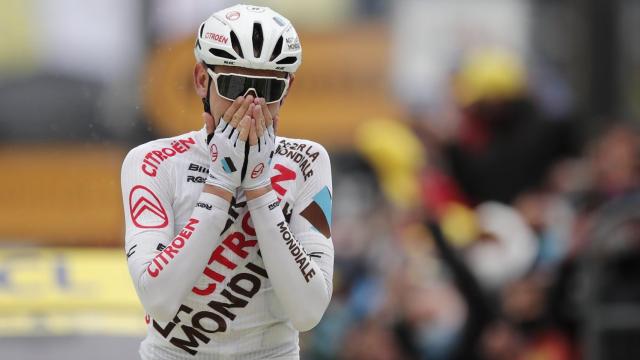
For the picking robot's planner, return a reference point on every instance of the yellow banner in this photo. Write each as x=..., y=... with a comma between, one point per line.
x=66, y=290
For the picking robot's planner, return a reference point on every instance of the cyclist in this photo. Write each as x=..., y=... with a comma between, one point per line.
x=228, y=229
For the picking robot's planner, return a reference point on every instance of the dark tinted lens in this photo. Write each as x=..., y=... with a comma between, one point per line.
x=273, y=89
x=232, y=86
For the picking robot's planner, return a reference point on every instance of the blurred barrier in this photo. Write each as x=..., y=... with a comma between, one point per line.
x=343, y=81
x=67, y=291
x=610, y=279
x=61, y=194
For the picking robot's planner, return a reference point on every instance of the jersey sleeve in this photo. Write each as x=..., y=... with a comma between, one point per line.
x=299, y=255
x=164, y=267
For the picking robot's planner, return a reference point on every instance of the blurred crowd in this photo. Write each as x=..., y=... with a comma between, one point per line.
x=509, y=233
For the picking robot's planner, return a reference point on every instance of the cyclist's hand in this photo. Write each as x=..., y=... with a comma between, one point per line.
x=262, y=141
x=227, y=144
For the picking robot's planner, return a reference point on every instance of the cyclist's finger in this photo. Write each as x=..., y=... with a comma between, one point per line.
x=244, y=126
x=253, y=138
x=242, y=110
x=235, y=105
x=268, y=118
x=258, y=115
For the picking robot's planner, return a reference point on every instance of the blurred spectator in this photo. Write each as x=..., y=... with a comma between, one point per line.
x=615, y=162
x=504, y=282
x=504, y=144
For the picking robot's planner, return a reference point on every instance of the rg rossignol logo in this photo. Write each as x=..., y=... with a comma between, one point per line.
x=213, y=150
x=257, y=170
x=146, y=209
x=196, y=179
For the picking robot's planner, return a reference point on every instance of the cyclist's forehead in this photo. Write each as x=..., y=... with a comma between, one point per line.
x=246, y=71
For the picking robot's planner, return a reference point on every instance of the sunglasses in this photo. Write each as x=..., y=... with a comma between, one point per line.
x=230, y=86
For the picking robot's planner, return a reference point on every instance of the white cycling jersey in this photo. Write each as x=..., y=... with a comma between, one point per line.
x=220, y=280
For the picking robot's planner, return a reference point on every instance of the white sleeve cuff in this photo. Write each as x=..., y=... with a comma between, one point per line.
x=262, y=201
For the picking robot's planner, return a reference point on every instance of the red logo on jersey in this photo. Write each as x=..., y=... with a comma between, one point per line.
x=146, y=209
x=283, y=174
x=213, y=150
x=257, y=170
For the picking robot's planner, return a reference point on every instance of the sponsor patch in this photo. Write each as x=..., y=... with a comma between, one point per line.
x=228, y=166
x=153, y=159
x=318, y=213
x=204, y=205
x=190, y=329
x=146, y=209
x=198, y=168
x=293, y=43
x=196, y=179
x=257, y=9
x=282, y=173
x=216, y=37
x=297, y=252
x=302, y=154
x=213, y=150
x=165, y=255
x=257, y=170
x=274, y=205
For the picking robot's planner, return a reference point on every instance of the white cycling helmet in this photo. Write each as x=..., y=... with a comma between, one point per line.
x=248, y=36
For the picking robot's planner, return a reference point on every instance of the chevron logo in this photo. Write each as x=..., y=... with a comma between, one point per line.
x=146, y=209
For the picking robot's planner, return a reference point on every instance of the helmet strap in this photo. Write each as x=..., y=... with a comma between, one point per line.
x=205, y=100
x=207, y=106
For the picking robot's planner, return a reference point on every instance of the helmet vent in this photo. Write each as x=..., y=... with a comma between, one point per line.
x=288, y=60
x=235, y=43
x=258, y=39
x=277, y=50
x=222, y=54
x=201, y=29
